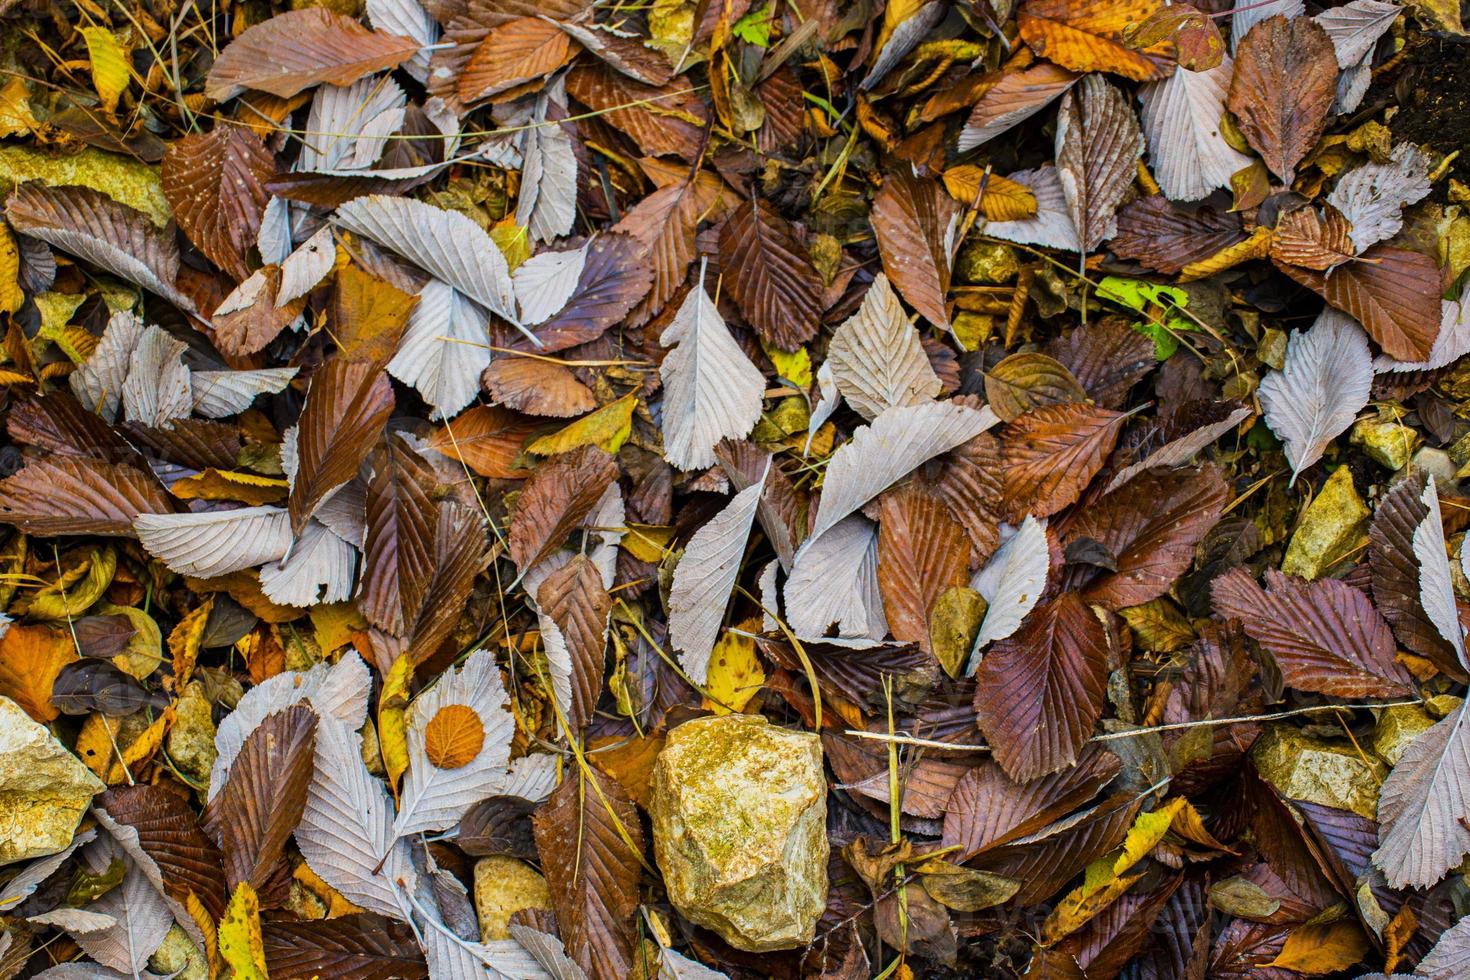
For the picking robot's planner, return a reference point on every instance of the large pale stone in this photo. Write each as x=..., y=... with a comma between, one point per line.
x=1303, y=767
x=504, y=886
x=739, y=811
x=44, y=789
x=1334, y=527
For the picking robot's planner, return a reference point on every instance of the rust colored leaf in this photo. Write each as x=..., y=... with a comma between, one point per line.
x=1108, y=358
x=1150, y=526
x=1098, y=143
x=398, y=548
x=254, y=815
x=1039, y=691
x=582, y=833
x=1284, y=83
x=346, y=408
x=1325, y=635
x=1050, y=454
x=573, y=597
x=1090, y=36
x=657, y=118
x=537, y=387
x=614, y=278
x=459, y=555
x=1013, y=98
x=215, y=184
x=558, y=495
x=911, y=218
x=1311, y=241
x=249, y=319
x=768, y=271
x=967, y=479
x=454, y=736
x=168, y=832
x=519, y=51
x=487, y=439
x=76, y=495
x=664, y=223
x=300, y=48
x=989, y=809
x=1392, y=292
x=361, y=946
x=1166, y=237
x=922, y=553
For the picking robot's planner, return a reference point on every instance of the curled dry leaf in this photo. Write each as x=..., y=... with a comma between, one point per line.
x=536, y=387
x=913, y=220
x=559, y=494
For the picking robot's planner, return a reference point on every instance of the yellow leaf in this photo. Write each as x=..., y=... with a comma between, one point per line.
x=11, y=295
x=1257, y=246
x=1319, y=949
x=735, y=673
x=30, y=659
x=184, y=641
x=100, y=737
x=1189, y=825
x=335, y=625
x=144, y=651
x=1147, y=830
x=213, y=484
x=16, y=118
x=648, y=542
x=1003, y=200
x=336, y=904
x=128, y=181
x=110, y=72
x=795, y=366
x=512, y=240
x=240, y=942
x=392, y=721
x=1080, y=905
x=608, y=427
x=77, y=589
x=196, y=910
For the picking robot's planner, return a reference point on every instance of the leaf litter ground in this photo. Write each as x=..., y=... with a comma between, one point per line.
x=415, y=412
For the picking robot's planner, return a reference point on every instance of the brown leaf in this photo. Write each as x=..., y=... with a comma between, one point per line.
x=1392, y=292
x=1311, y=241
x=657, y=118
x=1193, y=32
x=300, y=48
x=1089, y=36
x=922, y=553
x=398, y=548
x=926, y=783
x=521, y=50
x=459, y=556
x=558, y=495
x=1166, y=237
x=583, y=834
x=1027, y=380
x=58, y=423
x=362, y=946
x=783, y=508
x=214, y=183
x=911, y=219
x=346, y=408
x=257, y=810
x=487, y=439
x=168, y=832
x=989, y=809
x=622, y=50
x=1039, y=691
x=75, y=495
x=1395, y=574
x=770, y=274
x=614, y=278
x=537, y=387
x=574, y=598
x=89, y=224
x=1284, y=83
x=250, y=318
x=1108, y=358
x=664, y=223
x=1098, y=144
x=1150, y=525
x=1013, y=98
x=1050, y=454
x=1324, y=635
x=967, y=479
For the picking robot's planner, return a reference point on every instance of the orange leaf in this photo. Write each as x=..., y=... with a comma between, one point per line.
x=487, y=439
x=454, y=736
x=30, y=659
x=1088, y=35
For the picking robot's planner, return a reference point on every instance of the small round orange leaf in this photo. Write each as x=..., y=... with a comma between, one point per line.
x=453, y=737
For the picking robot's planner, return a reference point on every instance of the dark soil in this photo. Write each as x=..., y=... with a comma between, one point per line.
x=1432, y=90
